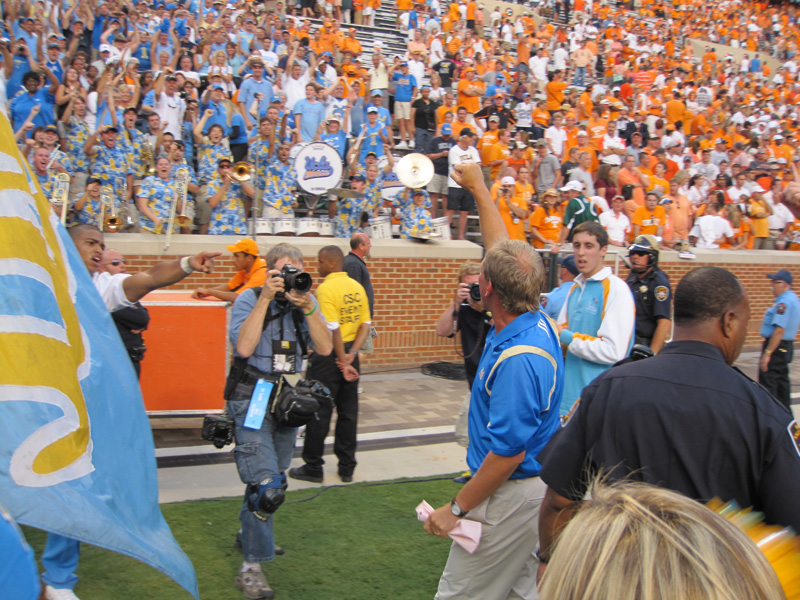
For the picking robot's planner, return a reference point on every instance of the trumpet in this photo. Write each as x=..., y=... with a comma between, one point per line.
x=111, y=222
x=241, y=171
x=59, y=195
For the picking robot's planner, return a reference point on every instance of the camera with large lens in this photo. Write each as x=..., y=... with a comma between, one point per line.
x=217, y=429
x=294, y=279
x=474, y=293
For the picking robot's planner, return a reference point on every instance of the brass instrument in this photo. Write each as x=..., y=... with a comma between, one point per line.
x=59, y=195
x=111, y=223
x=55, y=155
x=148, y=156
x=241, y=171
x=182, y=179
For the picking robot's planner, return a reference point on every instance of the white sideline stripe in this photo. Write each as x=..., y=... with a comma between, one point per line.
x=362, y=437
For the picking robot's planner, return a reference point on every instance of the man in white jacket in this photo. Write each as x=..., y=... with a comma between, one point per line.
x=597, y=320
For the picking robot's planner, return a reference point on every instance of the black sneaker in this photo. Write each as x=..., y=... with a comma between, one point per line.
x=346, y=477
x=303, y=474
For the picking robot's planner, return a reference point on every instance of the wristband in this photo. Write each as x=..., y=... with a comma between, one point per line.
x=767, y=351
x=539, y=557
x=313, y=310
x=187, y=268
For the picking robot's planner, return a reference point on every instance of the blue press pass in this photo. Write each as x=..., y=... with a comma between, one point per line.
x=258, y=404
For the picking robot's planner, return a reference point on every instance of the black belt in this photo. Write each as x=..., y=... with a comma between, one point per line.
x=251, y=375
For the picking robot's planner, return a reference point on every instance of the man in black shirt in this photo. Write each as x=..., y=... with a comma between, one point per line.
x=467, y=316
x=356, y=268
x=498, y=108
x=438, y=151
x=446, y=69
x=423, y=118
x=684, y=420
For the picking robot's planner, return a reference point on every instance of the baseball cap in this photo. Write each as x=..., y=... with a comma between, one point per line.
x=494, y=118
x=782, y=275
x=105, y=48
x=109, y=128
x=521, y=145
x=568, y=262
x=275, y=98
x=372, y=109
x=508, y=181
x=377, y=93
x=359, y=177
x=575, y=186
x=447, y=129
x=540, y=143
x=665, y=200
x=720, y=141
x=245, y=245
x=217, y=86
x=418, y=193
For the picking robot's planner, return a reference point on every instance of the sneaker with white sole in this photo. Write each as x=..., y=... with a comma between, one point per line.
x=51, y=593
x=253, y=584
x=402, y=146
x=411, y=144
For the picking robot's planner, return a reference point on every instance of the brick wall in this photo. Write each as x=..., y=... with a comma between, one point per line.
x=412, y=290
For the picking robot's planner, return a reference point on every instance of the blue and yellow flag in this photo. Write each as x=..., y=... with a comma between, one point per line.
x=76, y=450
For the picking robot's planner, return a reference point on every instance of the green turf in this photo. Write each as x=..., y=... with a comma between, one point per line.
x=354, y=542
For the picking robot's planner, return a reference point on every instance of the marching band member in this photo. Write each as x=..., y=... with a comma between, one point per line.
x=230, y=201
x=155, y=199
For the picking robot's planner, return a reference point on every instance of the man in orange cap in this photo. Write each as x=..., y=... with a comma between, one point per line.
x=251, y=272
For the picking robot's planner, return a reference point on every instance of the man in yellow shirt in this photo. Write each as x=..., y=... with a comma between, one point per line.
x=251, y=272
x=345, y=306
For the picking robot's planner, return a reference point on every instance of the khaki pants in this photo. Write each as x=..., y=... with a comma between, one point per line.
x=503, y=567
x=77, y=186
x=202, y=207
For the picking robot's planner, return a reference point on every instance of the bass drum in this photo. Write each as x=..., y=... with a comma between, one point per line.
x=319, y=168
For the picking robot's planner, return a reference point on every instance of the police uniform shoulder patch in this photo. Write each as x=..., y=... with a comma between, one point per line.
x=794, y=433
x=662, y=293
x=781, y=309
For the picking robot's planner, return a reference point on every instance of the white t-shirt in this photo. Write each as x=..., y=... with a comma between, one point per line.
x=617, y=226
x=709, y=228
x=170, y=109
x=295, y=88
x=556, y=137
x=457, y=156
x=110, y=289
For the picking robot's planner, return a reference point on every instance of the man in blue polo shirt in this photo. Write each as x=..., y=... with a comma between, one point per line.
x=513, y=414
x=40, y=99
x=404, y=93
x=779, y=329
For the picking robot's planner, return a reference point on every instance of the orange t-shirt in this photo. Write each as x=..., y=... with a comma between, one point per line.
x=548, y=226
x=471, y=103
x=649, y=222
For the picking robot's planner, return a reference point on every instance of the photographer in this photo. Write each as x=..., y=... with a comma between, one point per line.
x=466, y=315
x=271, y=329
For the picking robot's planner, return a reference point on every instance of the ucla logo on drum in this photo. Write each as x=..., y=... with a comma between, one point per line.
x=317, y=167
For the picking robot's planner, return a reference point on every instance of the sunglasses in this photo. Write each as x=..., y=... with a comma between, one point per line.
x=117, y=262
x=638, y=253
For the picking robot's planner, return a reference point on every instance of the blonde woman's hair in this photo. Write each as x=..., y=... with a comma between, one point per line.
x=634, y=541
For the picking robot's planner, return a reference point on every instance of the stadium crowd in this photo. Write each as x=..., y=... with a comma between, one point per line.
x=614, y=108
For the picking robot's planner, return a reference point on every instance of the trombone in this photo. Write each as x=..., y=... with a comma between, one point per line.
x=241, y=171
x=59, y=195
x=111, y=222
x=178, y=196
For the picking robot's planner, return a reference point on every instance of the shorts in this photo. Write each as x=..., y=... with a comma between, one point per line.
x=402, y=110
x=460, y=199
x=438, y=185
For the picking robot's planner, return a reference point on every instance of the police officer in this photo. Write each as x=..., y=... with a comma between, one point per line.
x=651, y=292
x=779, y=329
x=270, y=330
x=684, y=420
